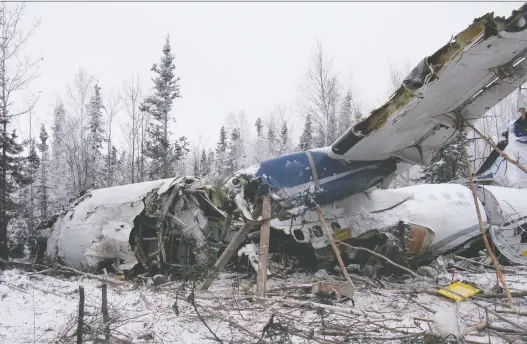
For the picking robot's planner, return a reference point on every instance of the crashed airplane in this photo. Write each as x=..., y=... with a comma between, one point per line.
x=184, y=220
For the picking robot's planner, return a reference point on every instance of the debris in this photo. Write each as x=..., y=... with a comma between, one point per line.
x=462, y=291
x=342, y=289
x=160, y=279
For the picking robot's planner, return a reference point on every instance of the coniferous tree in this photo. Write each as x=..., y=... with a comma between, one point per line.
x=233, y=155
x=96, y=138
x=447, y=165
x=43, y=180
x=259, y=126
x=210, y=161
x=221, y=153
x=306, y=139
x=60, y=184
x=204, y=163
x=162, y=151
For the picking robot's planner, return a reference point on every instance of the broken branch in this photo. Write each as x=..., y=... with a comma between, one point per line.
x=334, y=246
x=478, y=211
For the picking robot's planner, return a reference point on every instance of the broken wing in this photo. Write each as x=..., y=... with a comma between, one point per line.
x=482, y=65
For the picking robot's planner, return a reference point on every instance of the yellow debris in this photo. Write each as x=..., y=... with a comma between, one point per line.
x=462, y=289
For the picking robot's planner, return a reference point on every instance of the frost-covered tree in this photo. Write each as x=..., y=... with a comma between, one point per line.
x=271, y=140
x=16, y=72
x=60, y=184
x=163, y=152
x=43, y=177
x=332, y=131
x=204, y=163
x=233, y=152
x=306, y=139
x=345, y=120
x=447, y=165
x=259, y=126
x=221, y=153
x=96, y=139
x=320, y=96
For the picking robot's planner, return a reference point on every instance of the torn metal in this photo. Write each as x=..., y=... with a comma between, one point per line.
x=172, y=221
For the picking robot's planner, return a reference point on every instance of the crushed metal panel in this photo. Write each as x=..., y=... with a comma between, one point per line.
x=507, y=208
x=98, y=226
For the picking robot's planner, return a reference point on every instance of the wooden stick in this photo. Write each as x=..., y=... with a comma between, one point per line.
x=80, y=320
x=264, y=247
x=105, y=316
x=478, y=212
x=501, y=153
x=226, y=255
x=334, y=246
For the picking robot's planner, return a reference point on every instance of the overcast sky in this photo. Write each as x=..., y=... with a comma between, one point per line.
x=233, y=56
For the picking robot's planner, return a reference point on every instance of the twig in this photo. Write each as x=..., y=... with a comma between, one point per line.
x=478, y=211
x=228, y=318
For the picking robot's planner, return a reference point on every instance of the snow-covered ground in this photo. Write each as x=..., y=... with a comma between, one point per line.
x=36, y=308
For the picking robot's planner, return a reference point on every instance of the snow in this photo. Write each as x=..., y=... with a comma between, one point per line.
x=100, y=225
x=39, y=309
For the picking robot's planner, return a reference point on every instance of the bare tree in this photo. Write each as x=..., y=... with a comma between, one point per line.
x=132, y=99
x=76, y=143
x=112, y=106
x=16, y=72
x=320, y=96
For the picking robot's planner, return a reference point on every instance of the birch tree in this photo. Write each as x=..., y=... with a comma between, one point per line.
x=132, y=99
x=320, y=96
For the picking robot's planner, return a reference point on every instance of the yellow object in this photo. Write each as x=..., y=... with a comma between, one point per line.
x=343, y=234
x=524, y=253
x=462, y=289
x=121, y=278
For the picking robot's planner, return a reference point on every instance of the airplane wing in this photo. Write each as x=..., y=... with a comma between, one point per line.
x=473, y=72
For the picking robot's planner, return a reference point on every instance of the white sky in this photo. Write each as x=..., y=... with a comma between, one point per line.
x=233, y=56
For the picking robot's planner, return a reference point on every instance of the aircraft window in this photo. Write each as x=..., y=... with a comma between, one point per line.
x=317, y=231
x=445, y=195
x=335, y=226
x=299, y=235
x=460, y=195
x=432, y=197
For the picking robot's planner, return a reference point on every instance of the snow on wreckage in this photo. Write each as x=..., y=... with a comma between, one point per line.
x=138, y=224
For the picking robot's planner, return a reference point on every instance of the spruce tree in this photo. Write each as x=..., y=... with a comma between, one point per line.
x=221, y=153
x=232, y=160
x=162, y=151
x=447, y=165
x=306, y=139
x=59, y=179
x=43, y=179
x=259, y=126
x=204, y=163
x=96, y=138
x=210, y=161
